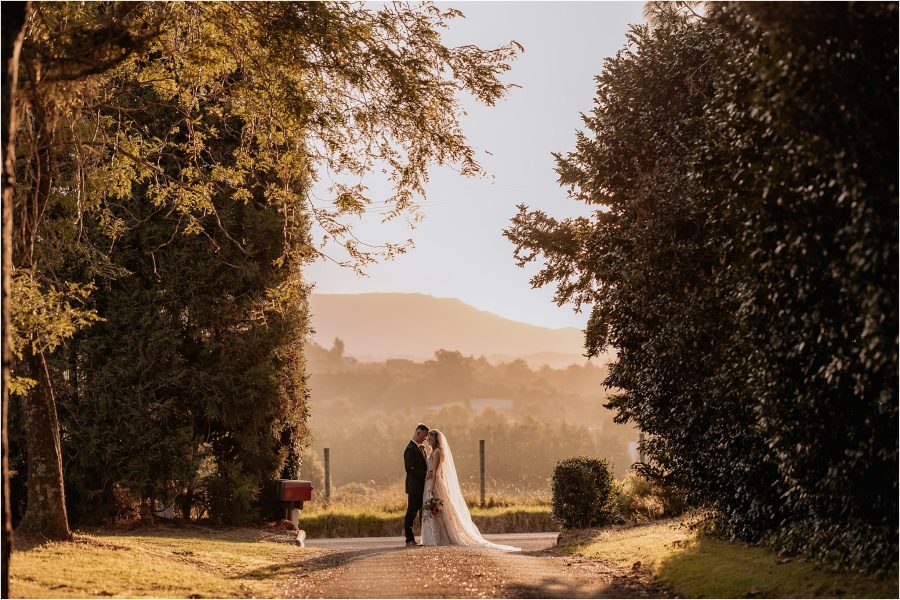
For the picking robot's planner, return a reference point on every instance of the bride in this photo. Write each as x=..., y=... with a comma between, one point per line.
x=449, y=522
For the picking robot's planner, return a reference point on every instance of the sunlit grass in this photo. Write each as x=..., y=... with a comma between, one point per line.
x=170, y=564
x=382, y=515
x=393, y=497
x=338, y=521
x=697, y=566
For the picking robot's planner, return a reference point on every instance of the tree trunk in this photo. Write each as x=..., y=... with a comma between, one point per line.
x=46, y=512
x=13, y=30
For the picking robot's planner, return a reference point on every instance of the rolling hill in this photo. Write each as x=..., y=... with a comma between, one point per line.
x=378, y=326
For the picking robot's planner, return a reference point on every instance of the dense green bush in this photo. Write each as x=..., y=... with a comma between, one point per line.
x=743, y=264
x=199, y=354
x=148, y=394
x=814, y=274
x=583, y=493
x=232, y=495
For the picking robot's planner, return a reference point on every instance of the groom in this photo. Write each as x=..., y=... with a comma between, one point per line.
x=416, y=468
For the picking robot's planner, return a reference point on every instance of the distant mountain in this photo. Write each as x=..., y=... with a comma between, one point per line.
x=388, y=325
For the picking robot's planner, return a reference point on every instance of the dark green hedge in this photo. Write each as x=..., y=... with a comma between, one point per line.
x=744, y=264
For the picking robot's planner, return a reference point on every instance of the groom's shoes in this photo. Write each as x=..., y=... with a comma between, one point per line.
x=412, y=543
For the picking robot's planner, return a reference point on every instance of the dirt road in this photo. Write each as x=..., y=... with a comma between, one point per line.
x=385, y=568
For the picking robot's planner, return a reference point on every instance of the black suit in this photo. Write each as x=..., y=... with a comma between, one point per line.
x=416, y=469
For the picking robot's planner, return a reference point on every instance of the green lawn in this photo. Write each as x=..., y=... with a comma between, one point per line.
x=704, y=567
x=168, y=563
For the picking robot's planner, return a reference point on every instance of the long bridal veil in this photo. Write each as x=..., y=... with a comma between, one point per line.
x=460, y=528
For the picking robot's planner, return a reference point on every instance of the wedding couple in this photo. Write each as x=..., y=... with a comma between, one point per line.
x=433, y=488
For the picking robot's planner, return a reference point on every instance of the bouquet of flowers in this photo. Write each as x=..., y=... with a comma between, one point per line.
x=433, y=505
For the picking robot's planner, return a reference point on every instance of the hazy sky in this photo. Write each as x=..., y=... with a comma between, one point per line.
x=460, y=251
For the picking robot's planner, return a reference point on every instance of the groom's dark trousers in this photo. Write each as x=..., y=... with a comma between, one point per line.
x=416, y=469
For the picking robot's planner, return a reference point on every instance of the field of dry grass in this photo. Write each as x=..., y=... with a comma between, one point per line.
x=350, y=521
x=382, y=515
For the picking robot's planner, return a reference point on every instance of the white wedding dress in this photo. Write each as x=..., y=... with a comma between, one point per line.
x=453, y=525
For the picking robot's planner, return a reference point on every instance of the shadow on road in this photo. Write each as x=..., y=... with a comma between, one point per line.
x=549, y=587
x=555, y=587
x=330, y=560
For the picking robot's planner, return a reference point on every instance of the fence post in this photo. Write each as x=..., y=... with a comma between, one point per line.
x=641, y=447
x=327, y=475
x=481, y=456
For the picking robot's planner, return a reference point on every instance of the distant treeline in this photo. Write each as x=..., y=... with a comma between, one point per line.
x=366, y=412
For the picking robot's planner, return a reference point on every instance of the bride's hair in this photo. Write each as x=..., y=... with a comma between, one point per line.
x=434, y=438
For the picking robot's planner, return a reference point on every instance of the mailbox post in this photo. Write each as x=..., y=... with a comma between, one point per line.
x=292, y=493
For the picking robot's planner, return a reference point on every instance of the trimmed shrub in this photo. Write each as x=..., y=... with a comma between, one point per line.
x=583, y=493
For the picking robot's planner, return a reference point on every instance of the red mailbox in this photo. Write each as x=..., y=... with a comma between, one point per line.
x=286, y=495
x=292, y=490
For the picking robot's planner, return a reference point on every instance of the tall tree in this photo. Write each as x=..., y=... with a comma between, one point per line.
x=742, y=261
x=302, y=86
x=65, y=46
x=13, y=33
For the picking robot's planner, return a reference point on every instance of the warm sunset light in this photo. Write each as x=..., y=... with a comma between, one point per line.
x=450, y=300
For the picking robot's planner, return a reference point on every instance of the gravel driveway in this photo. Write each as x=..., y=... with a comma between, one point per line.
x=385, y=568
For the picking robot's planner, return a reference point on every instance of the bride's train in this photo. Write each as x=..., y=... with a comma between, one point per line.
x=451, y=523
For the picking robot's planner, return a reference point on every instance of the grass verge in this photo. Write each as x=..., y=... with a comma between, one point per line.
x=159, y=564
x=696, y=566
x=350, y=521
